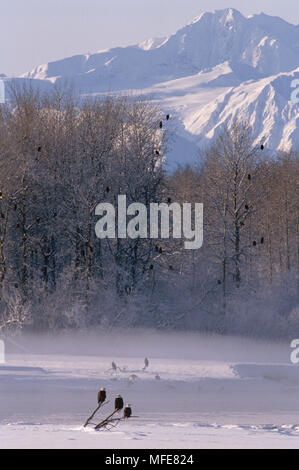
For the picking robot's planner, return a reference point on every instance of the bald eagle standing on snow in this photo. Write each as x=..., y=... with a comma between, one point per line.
x=127, y=411
x=102, y=395
x=119, y=403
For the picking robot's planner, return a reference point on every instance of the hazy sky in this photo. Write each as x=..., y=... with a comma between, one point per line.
x=34, y=32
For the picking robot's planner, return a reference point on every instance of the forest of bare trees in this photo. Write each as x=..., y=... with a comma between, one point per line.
x=60, y=157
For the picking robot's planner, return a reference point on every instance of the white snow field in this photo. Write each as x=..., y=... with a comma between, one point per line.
x=198, y=392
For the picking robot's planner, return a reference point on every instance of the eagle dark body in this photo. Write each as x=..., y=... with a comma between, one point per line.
x=119, y=403
x=101, y=396
x=127, y=412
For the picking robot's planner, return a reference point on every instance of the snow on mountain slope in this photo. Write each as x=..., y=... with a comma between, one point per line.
x=261, y=44
x=201, y=104
x=219, y=66
x=266, y=105
x=152, y=43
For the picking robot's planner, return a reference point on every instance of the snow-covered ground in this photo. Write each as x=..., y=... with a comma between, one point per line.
x=198, y=392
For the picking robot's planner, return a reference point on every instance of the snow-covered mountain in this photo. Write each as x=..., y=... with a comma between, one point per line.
x=219, y=66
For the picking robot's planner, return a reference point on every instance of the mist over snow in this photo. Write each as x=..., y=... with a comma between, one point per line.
x=146, y=342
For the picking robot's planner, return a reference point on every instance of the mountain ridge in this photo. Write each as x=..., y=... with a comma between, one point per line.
x=220, y=65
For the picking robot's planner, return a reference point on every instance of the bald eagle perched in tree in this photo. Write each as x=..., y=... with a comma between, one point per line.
x=127, y=411
x=101, y=395
x=118, y=403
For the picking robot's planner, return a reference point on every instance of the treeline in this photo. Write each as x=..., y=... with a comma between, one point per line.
x=60, y=157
